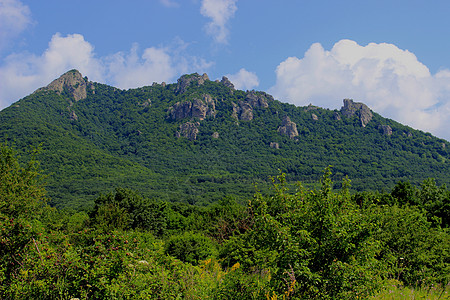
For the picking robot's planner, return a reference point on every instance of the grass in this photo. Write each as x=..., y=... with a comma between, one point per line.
x=394, y=290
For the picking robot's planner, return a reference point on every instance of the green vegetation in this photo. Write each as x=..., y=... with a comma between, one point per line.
x=319, y=243
x=126, y=139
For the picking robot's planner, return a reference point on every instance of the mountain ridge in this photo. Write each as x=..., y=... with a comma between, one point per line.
x=198, y=140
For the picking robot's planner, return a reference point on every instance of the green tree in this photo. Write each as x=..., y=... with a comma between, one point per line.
x=22, y=199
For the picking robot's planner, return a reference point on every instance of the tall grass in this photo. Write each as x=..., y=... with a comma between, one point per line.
x=396, y=291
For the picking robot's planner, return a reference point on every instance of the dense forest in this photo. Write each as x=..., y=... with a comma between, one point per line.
x=321, y=243
x=197, y=141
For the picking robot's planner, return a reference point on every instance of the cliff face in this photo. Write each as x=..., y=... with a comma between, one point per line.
x=197, y=108
x=288, y=128
x=71, y=82
x=243, y=110
x=360, y=110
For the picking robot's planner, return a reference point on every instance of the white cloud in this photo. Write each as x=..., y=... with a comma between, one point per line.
x=219, y=11
x=14, y=18
x=23, y=73
x=244, y=80
x=132, y=70
x=389, y=80
x=169, y=3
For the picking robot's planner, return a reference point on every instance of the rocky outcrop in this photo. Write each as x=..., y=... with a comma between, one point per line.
x=186, y=81
x=244, y=109
x=260, y=99
x=314, y=117
x=197, y=108
x=226, y=82
x=274, y=145
x=337, y=116
x=360, y=110
x=215, y=135
x=311, y=107
x=387, y=130
x=188, y=130
x=73, y=116
x=146, y=103
x=288, y=128
x=71, y=82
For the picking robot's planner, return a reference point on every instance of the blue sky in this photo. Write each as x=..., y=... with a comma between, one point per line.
x=392, y=55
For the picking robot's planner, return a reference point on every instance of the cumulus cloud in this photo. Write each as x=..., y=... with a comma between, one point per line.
x=389, y=80
x=219, y=11
x=244, y=80
x=14, y=18
x=22, y=73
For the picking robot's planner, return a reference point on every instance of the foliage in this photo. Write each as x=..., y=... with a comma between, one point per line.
x=317, y=243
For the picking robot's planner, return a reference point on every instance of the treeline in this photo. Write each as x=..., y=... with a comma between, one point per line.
x=289, y=244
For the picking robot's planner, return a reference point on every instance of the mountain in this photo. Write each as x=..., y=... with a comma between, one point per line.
x=199, y=140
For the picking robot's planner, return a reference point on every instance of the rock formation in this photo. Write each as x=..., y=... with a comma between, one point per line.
x=337, y=116
x=73, y=116
x=387, y=130
x=226, y=82
x=197, y=108
x=188, y=130
x=186, y=80
x=258, y=99
x=288, y=128
x=244, y=109
x=314, y=117
x=215, y=135
x=274, y=145
x=71, y=82
x=360, y=110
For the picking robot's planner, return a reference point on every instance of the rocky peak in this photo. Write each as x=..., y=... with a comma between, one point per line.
x=288, y=128
x=186, y=80
x=226, y=82
x=360, y=110
x=258, y=99
x=72, y=82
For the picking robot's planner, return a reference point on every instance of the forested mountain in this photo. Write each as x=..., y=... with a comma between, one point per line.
x=198, y=140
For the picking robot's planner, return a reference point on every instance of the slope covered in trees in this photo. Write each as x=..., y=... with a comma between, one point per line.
x=197, y=140
x=305, y=243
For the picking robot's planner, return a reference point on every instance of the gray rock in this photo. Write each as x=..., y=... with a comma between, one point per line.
x=186, y=80
x=226, y=82
x=387, y=130
x=72, y=82
x=274, y=145
x=188, y=130
x=197, y=108
x=337, y=116
x=288, y=128
x=258, y=99
x=360, y=110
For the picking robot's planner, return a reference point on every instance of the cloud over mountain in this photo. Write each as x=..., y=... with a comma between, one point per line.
x=390, y=80
x=244, y=80
x=22, y=73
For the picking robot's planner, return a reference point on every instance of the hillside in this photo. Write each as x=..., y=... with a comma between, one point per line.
x=199, y=140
